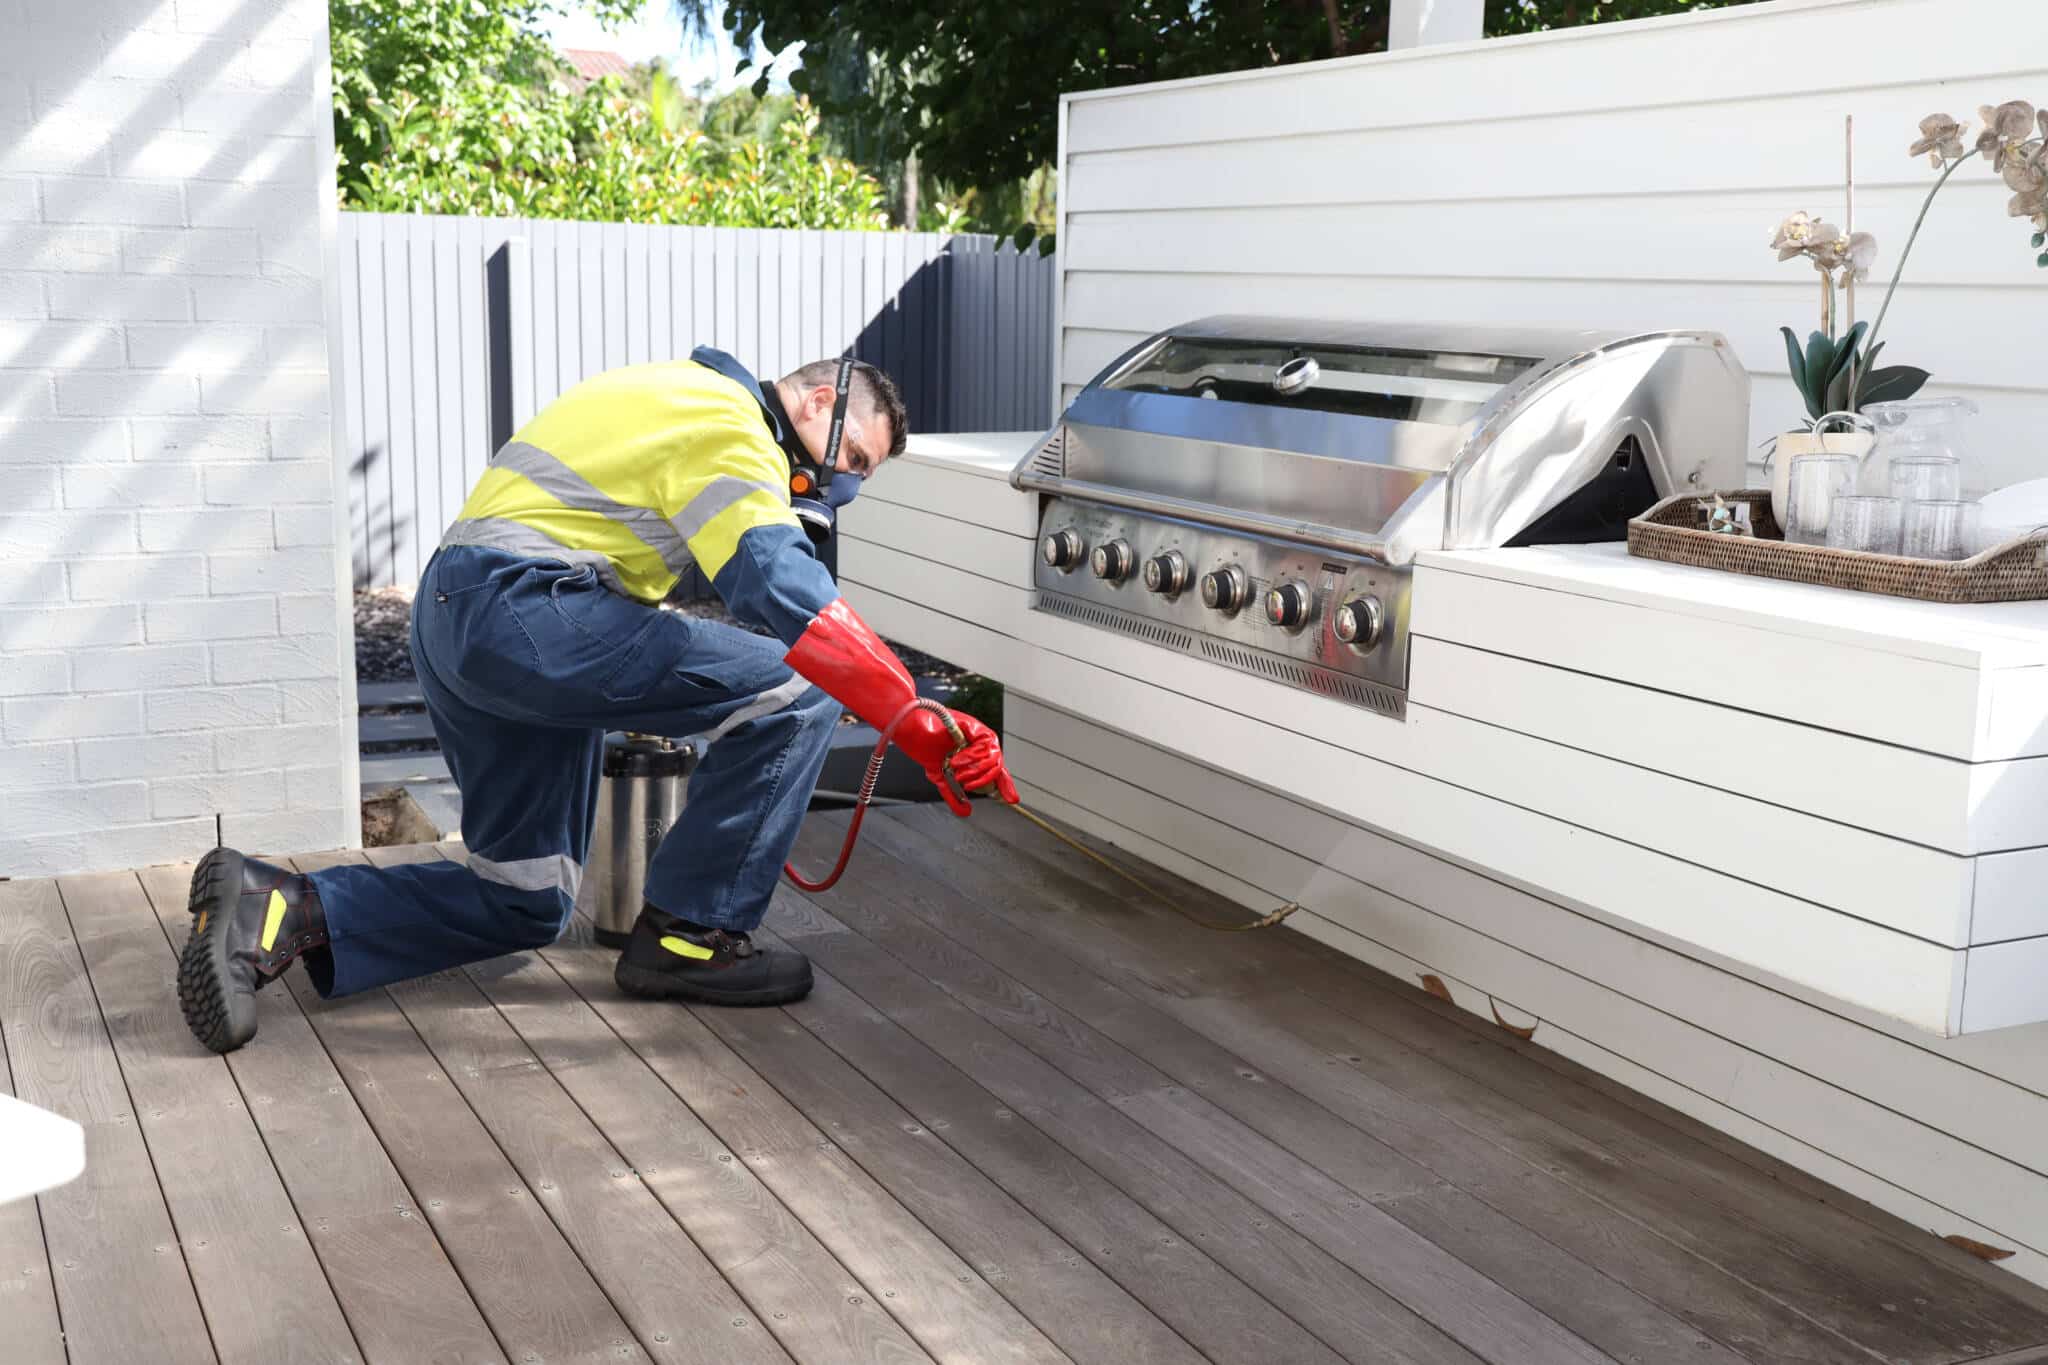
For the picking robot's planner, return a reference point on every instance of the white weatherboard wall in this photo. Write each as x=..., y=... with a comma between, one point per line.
x=173, y=646
x=1621, y=175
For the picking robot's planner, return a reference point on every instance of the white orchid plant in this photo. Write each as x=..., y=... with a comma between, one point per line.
x=1837, y=374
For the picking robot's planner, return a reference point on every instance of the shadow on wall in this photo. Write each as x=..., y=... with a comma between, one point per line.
x=180, y=327
x=378, y=519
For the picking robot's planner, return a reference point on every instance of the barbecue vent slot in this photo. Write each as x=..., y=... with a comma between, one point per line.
x=1129, y=625
x=1329, y=684
x=1051, y=459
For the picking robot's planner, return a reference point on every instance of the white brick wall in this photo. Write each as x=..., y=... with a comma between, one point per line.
x=173, y=611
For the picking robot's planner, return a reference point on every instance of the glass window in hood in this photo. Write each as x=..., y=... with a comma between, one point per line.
x=1403, y=386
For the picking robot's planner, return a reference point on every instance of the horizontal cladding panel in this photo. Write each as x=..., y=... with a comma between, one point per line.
x=1835, y=53
x=962, y=495
x=961, y=545
x=1932, y=707
x=1785, y=853
x=1714, y=206
x=1901, y=1109
x=1147, y=272
x=1993, y=636
x=1942, y=802
x=2003, y=984
x=2009, y=900
x=1890, y=972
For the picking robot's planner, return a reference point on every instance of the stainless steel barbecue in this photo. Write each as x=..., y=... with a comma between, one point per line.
x=1254, y=491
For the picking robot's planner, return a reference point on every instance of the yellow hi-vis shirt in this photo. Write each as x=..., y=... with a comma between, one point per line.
x=640, y=471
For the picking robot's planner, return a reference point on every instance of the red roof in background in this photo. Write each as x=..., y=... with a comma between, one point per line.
x=592, y=64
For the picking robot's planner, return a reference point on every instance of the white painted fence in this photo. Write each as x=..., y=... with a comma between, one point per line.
x=454, y=330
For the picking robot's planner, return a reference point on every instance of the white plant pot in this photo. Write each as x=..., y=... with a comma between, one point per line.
x=1792, y=444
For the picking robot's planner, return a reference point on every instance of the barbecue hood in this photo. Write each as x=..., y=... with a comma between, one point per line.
x=1386, y=440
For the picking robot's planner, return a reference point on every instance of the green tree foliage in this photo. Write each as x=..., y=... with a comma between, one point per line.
x=459, y=107
x=974, y=89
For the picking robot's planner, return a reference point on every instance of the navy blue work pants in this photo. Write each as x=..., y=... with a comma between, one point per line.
x=525, y=664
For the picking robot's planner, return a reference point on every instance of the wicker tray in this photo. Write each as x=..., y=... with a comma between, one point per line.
x=1674, y=531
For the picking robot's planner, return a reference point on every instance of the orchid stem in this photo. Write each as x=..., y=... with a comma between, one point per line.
x=1870, y=342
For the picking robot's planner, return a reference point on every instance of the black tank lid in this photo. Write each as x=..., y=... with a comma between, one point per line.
x=644, y=756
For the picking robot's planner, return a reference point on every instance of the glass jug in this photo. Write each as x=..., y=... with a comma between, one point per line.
x=1915, y=428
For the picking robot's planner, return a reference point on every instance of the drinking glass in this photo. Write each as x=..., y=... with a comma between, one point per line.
x=1814, y=484
x=1917, y=427
x=1864, y=523
x=1926, y=478
x=1939, y=529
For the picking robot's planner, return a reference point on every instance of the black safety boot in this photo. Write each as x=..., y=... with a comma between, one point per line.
x=671, y=959
x=250, y=921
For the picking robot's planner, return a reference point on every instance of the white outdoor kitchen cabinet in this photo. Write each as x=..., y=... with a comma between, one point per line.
x=1754, y=848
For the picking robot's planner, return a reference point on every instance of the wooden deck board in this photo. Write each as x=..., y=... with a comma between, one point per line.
x=1027, y=1115
x=889, y=1260
x=534, y=1292
x=263, y=1290
x=1845, y=1273
x=1463, y=1304
x=391, y=1275
x=123, y=1285
x=1602, y=1310
x=28, y=1302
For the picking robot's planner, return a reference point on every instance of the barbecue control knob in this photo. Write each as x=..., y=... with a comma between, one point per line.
x=1061, y=549
x=1112, y=562
x=1287, y=605
x=1359, y=622
x=1167, y=573
x=1224, y=589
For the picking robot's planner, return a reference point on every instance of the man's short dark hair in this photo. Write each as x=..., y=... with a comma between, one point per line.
x=872, y=389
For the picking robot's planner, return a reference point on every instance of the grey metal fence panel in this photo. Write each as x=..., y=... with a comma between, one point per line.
x=460, y=329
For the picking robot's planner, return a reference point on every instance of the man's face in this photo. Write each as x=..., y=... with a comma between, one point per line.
x=863, y=444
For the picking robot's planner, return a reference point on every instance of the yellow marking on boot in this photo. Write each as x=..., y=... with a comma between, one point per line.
x=204, y=915
x=273, y=919
x=682, y=947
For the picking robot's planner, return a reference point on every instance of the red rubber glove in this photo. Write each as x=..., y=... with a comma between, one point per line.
x=849, y=661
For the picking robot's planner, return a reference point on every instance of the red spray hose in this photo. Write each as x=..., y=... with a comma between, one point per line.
x=867, y=789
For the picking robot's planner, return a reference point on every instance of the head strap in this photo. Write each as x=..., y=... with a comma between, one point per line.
x=807, y=482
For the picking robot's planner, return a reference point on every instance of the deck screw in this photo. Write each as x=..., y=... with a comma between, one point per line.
x=855, y=1300
x=739, y=1322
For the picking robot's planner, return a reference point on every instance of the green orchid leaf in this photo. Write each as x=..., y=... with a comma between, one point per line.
x=1847, y=352
x=1820, y=360
x=1891, y=384
x=1837, y=397
x=1797, y=360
